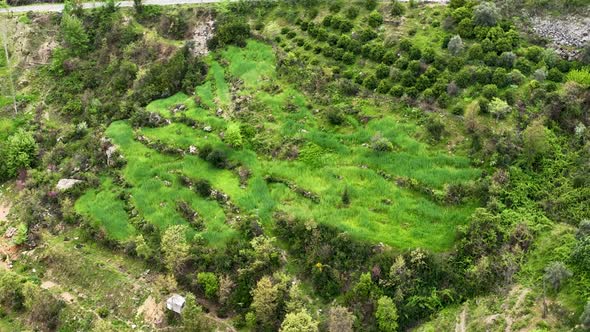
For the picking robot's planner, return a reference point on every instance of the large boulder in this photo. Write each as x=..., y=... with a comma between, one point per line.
x=65, y=184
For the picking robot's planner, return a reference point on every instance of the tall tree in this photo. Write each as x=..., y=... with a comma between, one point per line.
x=386, y=314
x=341, y=320
x=192, y=316
x=299, y=321
x=74, y=35
x=175, y=247
x=265, y=301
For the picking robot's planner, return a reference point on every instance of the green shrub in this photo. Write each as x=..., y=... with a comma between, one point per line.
x=335, y=117
x=43, y=308
x=209, y=283
x=335, y=7
x=370, y=4
x=555, y=75
x=370, y=82
x=397, y=9
x=489, y=91
x=218, y=158
x=11, y=290
x=580, y=76
x=375, y=19
x=455, y=45
x=203, y=187
x=21, y=152
x=435, y=128
x=382, y=71
x=380, y=143
x=465, y=28
x=348, y=58
x=396, y=91
x=475, y=52
x=74, y=34
x=230, y=31
x=384, y=86
x=486, y=14
x=499, y=108
x=351, y=12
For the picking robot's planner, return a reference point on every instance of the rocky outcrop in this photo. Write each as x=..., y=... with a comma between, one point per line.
x=565, y=34
x=201, y=35
x=65, y=184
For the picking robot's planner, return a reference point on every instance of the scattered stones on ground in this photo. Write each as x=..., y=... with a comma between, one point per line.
x=201, y=35
x=564, y=33
x=65, y=184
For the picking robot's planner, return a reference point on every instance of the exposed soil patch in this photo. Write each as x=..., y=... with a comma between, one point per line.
x=4, y=209
x=152, y=311
x=48, y=284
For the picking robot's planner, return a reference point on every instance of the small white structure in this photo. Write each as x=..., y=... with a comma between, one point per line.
x=175, y=303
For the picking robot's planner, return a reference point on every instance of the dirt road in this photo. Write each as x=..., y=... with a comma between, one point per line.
x=88, y=5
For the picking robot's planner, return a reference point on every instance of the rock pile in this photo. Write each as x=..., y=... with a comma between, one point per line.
x=201, y=36
x=564, y=34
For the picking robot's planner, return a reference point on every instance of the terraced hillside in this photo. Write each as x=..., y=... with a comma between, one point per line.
x=340, y=176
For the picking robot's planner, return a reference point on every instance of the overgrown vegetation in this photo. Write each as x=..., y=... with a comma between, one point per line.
x=383, y=162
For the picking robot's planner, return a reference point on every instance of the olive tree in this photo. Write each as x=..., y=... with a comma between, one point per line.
x=486, y=14
x=556, y=273
x=455, y=45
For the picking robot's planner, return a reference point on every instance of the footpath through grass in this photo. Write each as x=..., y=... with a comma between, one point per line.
x=329, y=161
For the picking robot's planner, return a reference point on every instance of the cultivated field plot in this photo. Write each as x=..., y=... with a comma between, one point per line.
x=264, y=148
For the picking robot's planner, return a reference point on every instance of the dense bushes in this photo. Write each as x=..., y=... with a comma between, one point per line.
x=19, y=152
x=182, y=72
x=230, y=31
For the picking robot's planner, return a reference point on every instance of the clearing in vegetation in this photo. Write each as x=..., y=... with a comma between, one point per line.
x=333, y=176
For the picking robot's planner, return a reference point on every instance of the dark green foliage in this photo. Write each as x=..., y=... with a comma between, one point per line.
x=375, y=19
x=581, y=254
x=382, y=71
x=489, y=91
x=335, y=7
x=397, y=9
x=74, y=34
x=11, y=291
x=435, y=128
x=352, y=12
x=217, y=158
x=556, y=275
x=370, y=4
x=230, y=31
x=485, y=14
x=203, y=187
x=555, y=75
x=346, y=197
x=370, y=82
x=182, y=72
x=396, y=91
x=20, y=152
x=335, y=117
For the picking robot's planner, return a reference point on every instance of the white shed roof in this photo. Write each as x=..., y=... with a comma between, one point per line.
x=175, y=303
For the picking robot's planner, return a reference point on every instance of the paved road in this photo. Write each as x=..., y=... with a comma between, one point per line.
x=58, y=7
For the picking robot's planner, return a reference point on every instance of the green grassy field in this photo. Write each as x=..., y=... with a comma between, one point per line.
x=330, y=160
